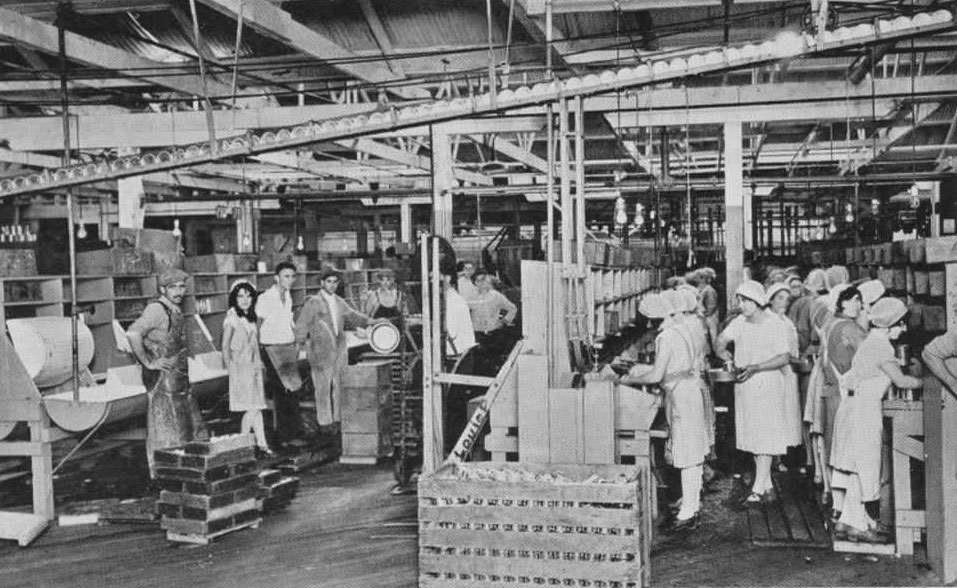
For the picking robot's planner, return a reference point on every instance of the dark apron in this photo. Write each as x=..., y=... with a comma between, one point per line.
x=173, y=418
x=388, y=312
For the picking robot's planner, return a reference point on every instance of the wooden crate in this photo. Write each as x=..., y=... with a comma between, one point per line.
x=524, y=524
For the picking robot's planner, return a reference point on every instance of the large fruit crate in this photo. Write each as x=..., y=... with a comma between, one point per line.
x=516, y=524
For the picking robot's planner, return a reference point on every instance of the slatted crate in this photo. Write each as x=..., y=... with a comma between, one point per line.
x=534, y=525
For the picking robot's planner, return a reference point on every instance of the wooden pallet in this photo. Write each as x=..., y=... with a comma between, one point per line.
x=793, y=521
x=207, y=539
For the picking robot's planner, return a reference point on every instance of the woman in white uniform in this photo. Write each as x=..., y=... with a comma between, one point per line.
x=760, y=350
x=858, y=424
x=779, y=297
x=677, y=371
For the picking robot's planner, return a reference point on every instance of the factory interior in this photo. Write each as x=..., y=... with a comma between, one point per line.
x=422, y=293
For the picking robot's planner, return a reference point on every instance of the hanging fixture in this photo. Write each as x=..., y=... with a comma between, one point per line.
x=639, y=215
x=913, y=193
x=849, y=213
x=832, y=227
x=300, y=244
x=177, y=232
x=81, y=231
x=621, y=215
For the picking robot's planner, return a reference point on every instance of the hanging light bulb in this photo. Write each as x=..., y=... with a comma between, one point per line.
x=875, y=206
x=914, y=193
x=849, y=213
x=81, y=231
x=177, y=232
x=639, y=215
x=621, y=217
x=300, y=244
x=832, y=228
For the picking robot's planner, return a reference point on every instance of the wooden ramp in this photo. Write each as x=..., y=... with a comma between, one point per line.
x=795, y=520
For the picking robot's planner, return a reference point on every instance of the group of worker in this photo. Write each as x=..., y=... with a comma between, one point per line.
x=262, y=339
x=844, y=330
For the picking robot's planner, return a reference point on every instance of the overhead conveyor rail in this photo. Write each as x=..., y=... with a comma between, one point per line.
x=788, y=45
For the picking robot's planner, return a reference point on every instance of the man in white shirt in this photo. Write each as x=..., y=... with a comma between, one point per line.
x=460, y=338
x=280, y=351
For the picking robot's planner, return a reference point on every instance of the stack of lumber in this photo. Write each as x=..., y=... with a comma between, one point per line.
x=208, y=488
x=276, y=491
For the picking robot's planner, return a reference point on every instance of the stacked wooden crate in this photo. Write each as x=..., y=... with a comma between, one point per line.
x=208, y=488
x=276, y=491
x=366, y=412
x=496, y=524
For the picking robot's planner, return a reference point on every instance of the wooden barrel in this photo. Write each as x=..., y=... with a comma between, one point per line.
x=45, y=348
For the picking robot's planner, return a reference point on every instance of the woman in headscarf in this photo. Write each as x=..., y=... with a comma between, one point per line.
x=858, y=427
x=677, y=370
x=760, y=350
x=779, y=298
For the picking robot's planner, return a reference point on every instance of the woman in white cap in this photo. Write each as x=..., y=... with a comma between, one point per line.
x=760, y=350
x=779, y=298
x=858, y=427
x=677, y=371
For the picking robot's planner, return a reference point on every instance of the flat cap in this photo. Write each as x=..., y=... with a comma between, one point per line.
x=886, y=312
x=172, y=276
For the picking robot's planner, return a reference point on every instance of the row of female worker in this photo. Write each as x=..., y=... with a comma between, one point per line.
x=768, y=413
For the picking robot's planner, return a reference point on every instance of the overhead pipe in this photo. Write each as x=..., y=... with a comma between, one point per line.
x=786, y=46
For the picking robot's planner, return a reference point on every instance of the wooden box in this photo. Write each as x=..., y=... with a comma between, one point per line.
x=18, y=262
x=221, y=263
x=921, y=282
x=498, y=523
x=114, y=262
x=162, y=244
x=937, y=283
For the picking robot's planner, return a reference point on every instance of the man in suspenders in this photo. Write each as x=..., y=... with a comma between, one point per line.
x=158, y=339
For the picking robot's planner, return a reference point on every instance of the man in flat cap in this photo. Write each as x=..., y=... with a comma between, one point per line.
x=158, y=339
x=321, y=327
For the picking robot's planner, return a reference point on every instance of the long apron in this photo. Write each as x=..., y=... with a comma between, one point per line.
x=858, y=430
x=690, y=439
x=173, y=417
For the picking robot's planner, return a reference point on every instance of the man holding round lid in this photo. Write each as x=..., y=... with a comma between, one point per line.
x=321, y=327
x=159, y=342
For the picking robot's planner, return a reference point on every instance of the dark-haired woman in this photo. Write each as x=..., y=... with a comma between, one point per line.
x=760, y=351
x=858, y=425
x=241, y=355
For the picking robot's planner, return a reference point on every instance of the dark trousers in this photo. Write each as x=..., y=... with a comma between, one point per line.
x=285, y=404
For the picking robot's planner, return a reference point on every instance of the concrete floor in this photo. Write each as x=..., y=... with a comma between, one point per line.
x=346, y=530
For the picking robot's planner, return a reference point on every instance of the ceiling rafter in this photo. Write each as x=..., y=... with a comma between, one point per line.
x=41, y=36
x=273, y=21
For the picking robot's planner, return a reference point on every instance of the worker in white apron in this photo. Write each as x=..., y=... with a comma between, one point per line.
x=858, y=424
x=676, y=371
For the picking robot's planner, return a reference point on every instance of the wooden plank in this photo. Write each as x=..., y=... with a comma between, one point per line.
x=464, y=380
x=591, y=493
x=910, y=518
x=606, y=518
x=533, y=409
x=907, y=446
x=525, y=541
x=532, y=568
x=598, y=414
x=565, y=437
x=792, y=513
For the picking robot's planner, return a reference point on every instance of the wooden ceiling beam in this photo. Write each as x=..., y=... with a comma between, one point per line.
x=41, y=36
x=272, y=21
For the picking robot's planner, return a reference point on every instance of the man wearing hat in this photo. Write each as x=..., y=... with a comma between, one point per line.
x=158, y=339
x=321, y=327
